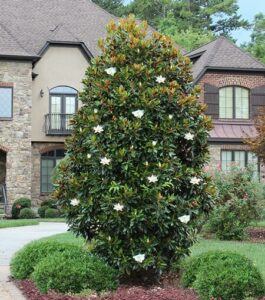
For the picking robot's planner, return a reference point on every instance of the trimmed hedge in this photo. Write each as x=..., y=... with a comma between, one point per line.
x=27, y=213
x=18, y=205
x=222, y=275
x=52, y=213
x=73, y=271
x=25, y=260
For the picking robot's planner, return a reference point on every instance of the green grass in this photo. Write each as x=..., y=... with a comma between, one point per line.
x=17, y=223
x=258, y=224
x=255, y=252
x=66, y=238
x=55, y=220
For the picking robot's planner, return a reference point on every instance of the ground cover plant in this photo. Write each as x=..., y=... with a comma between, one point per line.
x=133, y=177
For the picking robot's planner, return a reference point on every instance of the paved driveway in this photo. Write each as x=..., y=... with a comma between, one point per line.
x=13, y=239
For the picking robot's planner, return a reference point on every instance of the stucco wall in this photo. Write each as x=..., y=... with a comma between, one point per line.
x=15, y=134
x=60, y=65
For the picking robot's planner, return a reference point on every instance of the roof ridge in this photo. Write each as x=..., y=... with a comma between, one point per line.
x=63, y=26
x=10, y=34
x=202, y=46
x=212, y=53
x=93, y=3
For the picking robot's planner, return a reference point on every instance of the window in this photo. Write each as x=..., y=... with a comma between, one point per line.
x=6, y=102
x=233, y=103
x=49, y=161
x=63, y=104
x=238, y=158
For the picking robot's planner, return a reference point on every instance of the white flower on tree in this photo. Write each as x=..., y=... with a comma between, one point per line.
x=139, y=258
x=195, y=180
x=75, y=202
x=170, y=117
x=118, y=207
x=189, y=136
x=95, y=111
x=160, y=79
x=184, y=219
x=98, y=129
x=111, y=71
x=154, y=143
x=105, y=161
x=152, y=179
x=138, y=113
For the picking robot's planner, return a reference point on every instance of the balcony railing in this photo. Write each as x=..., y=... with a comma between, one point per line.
x=58, y=124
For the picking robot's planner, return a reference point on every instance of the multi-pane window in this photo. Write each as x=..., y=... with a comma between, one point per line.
x=6, y=102
x=63, y=104
x=49, y=161
x=233, y=103
x=238, y=158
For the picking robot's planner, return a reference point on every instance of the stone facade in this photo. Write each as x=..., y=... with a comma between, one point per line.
x=15, y=134
x=37, y=149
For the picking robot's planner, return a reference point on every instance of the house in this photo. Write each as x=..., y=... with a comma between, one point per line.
x=45, y=48
x=233, y=87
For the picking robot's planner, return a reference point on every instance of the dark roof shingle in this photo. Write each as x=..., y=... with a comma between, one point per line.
x=222, y=54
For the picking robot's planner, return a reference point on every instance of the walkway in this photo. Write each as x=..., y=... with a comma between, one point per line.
x=13, y=239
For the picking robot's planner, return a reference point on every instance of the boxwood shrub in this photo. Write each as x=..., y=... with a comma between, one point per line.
x=52, y=213
x=25, y=260
x=222, y=275
x=18, y=205
x=27, y=213
x=74, y=270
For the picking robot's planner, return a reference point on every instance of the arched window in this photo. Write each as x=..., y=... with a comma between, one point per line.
x=63, y=104
x=49, y=161
x=233, y=103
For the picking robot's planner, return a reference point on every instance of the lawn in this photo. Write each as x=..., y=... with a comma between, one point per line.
x=17, y=223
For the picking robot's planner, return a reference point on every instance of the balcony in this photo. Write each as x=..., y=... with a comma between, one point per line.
x=58, y=124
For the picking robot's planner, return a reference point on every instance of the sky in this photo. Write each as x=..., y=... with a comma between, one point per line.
x=248, y=9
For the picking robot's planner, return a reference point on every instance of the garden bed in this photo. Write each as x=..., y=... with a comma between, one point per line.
x=123, y=293
x=257, y=234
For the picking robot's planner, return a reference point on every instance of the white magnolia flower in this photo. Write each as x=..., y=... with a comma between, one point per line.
x=118, y=207
x=75, y=202
x=170, y=117
x=154, y=143
x=195, y=180
x=89, y=156
x=138, y=113
x=111, y=71
x=160, y=79
x=152, y=179
x=95, y=111
x=189, y=136
x=139, y=258
x=98, y=129
x=105, y=161
x=184, y=219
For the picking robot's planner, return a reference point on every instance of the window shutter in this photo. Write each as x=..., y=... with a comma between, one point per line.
x=257, y=100
x=211, y=98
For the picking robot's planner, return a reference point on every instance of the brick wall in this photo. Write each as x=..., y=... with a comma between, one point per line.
x=220, y=79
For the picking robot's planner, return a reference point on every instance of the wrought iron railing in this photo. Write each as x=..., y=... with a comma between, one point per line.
x=58, y=124
x=3, y=198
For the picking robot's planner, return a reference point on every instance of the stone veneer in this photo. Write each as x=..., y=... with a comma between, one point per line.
x=37, y=150
x=15, y=134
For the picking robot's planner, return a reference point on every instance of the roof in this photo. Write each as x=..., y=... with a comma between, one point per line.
x=232, y=131
x=224, y=55
x=27, y=25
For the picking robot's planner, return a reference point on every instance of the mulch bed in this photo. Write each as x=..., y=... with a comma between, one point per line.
x=167, y=292
x=256, y=234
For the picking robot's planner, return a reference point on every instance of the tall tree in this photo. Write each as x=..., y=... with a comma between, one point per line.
x=257, y=44
x=113, y=6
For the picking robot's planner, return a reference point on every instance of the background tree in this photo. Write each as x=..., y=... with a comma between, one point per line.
x=114, y=7
x=257, y=44
x=133, y=179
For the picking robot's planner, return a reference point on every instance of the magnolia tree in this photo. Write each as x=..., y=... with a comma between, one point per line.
x=133, y=179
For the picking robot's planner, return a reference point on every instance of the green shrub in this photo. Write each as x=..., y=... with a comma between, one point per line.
x=137, y=184
x=73, y=271
x=222, y=275
x=41, y=211
x=18, y=205
x=27, y=213
x=49, y=203
x=239, y=201
x=25, y=260
x=52, y=213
